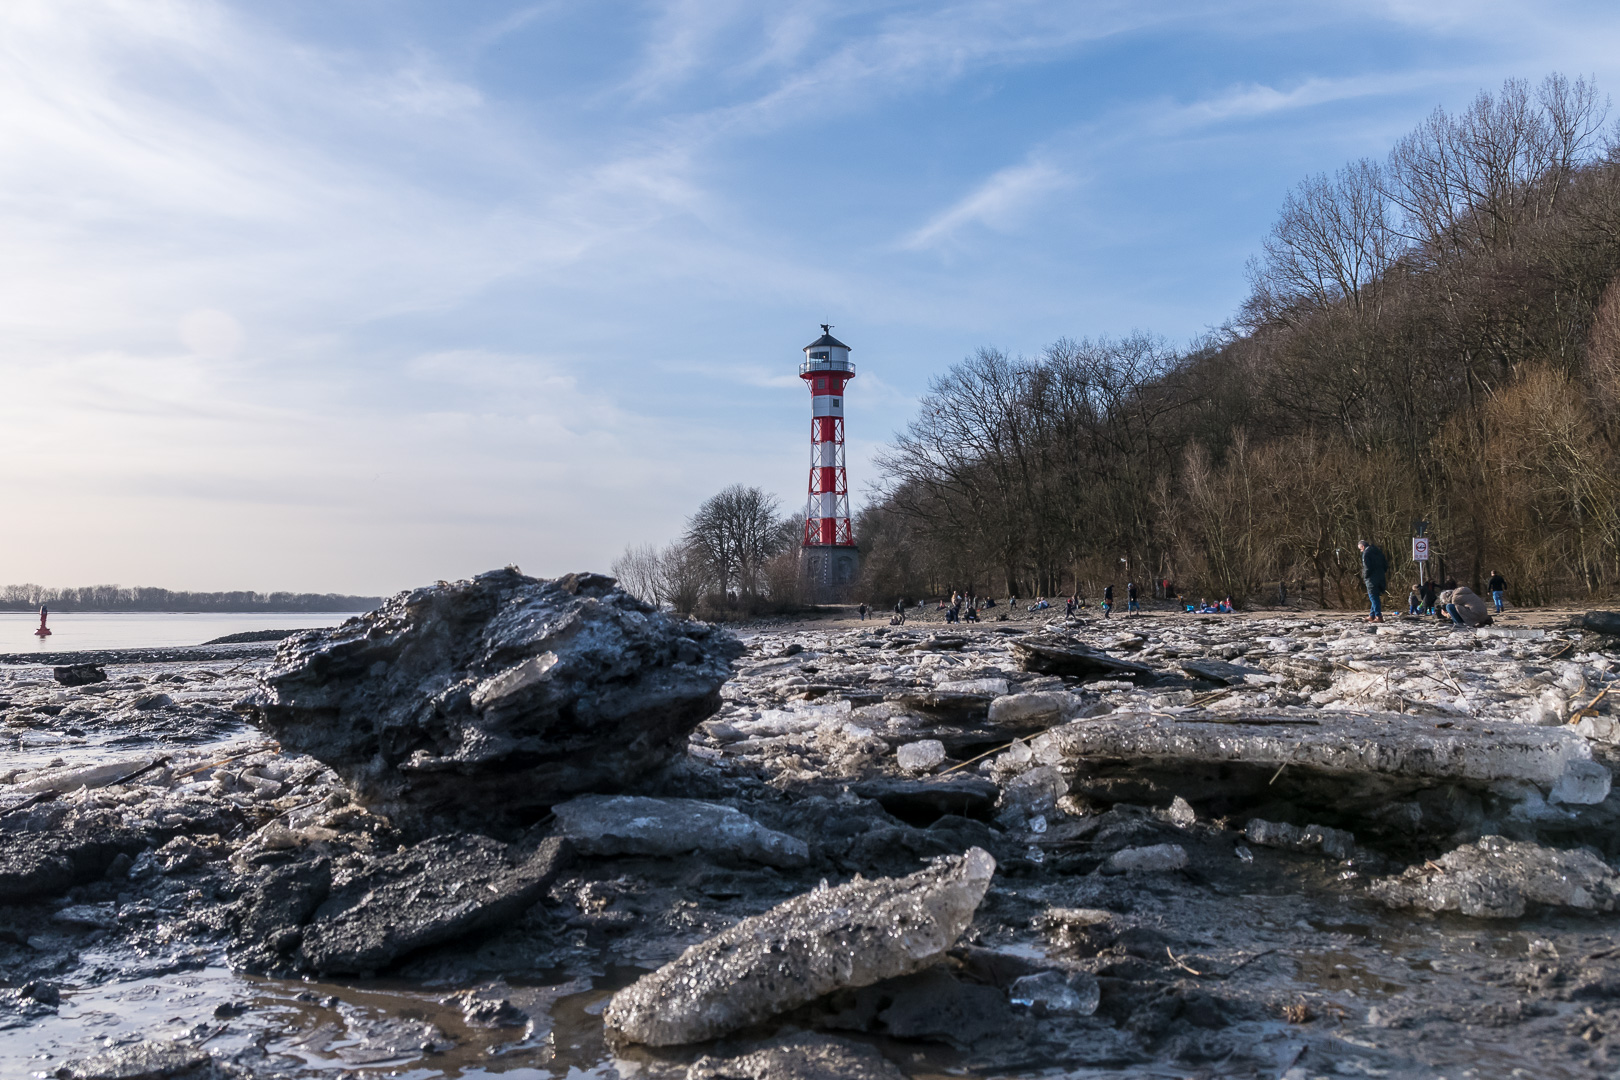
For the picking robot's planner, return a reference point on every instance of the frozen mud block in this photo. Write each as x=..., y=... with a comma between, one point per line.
x=635, y=825
x=1058, y=656
x=1498, y=878
x=1219, y=671
x=480, y=704
x=1601, y=622
x=1334, y=842
x=828, y=939
x=437, y=891
x=1392, y=745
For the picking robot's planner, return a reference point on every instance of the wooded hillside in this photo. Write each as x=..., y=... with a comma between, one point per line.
x=1431, y=337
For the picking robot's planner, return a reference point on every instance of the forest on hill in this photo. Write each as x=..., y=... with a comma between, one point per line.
x=1433, y=337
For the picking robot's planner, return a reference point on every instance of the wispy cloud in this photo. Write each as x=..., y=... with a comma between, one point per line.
x=1003, y=199
x=364, y=304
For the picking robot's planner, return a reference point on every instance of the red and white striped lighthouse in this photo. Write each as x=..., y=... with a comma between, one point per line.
x=825, y=370
x=829, y=562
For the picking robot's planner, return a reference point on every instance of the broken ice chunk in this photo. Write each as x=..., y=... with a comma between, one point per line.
x=1497, y=878
x=920, y=756
x=1052, y=992
x=1151, y=858
x=1584, y=783
x=827, y=939
x=636, y=825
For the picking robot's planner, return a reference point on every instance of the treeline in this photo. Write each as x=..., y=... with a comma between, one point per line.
x=737, y=558
x=1433, y=337
x=118, y=598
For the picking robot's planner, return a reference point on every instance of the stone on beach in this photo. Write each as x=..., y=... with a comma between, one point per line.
x=636, y=825
x=1499, y=878
x=848, y=936
x=79, y=674
x=482, y=703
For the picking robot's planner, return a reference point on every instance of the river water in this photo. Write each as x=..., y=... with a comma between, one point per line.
x=73, y=631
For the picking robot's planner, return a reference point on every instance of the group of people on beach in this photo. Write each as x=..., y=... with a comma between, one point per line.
x=1451, y=601
x=1460, y=604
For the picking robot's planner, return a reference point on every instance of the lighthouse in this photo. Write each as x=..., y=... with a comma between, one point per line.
x=829, y=562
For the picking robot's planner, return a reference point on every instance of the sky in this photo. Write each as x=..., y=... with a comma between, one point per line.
x=355, y=295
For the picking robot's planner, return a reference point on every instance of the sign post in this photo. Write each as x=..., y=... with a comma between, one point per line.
x=1420, y=555
x=1420, y=547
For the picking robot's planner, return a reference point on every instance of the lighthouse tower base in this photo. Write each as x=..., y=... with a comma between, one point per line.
x=828, y=572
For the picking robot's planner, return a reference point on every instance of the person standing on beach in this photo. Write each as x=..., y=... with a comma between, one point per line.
x=1375, y=575
x=1498, y=586
x=1108, y=600
x=1131, y=604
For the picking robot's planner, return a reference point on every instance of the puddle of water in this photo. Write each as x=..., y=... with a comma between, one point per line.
x=1338, y=971
x=318, y=1029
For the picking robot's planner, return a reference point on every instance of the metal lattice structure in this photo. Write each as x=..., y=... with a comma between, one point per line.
x=826, y=370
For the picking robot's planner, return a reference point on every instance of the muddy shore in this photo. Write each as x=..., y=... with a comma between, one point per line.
x=1119, y=805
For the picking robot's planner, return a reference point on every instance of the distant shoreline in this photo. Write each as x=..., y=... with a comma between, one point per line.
x=55, y=610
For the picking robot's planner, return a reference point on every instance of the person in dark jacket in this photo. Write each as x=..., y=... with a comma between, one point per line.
x=1375, y=574
x=1108, y=600
x=1132, y=603
x=1498, y=586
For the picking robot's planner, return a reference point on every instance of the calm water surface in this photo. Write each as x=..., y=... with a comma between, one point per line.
x=72, y=631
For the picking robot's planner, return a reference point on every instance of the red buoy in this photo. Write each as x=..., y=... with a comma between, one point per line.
x=43, y=631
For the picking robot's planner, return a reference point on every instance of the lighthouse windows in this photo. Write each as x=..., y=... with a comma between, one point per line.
x=838, y=403
x=822, y=355
x=821, y=384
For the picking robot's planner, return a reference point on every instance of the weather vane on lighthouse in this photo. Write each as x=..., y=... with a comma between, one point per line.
x=830, y=561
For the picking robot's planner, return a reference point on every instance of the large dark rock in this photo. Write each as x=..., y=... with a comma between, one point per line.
x=479, y=704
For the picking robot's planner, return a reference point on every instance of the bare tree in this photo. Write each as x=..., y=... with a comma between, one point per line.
x=736, y=532
x=1331, y=246
x=639, y=574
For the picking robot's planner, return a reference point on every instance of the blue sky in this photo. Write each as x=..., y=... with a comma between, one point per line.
x=357, y=294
